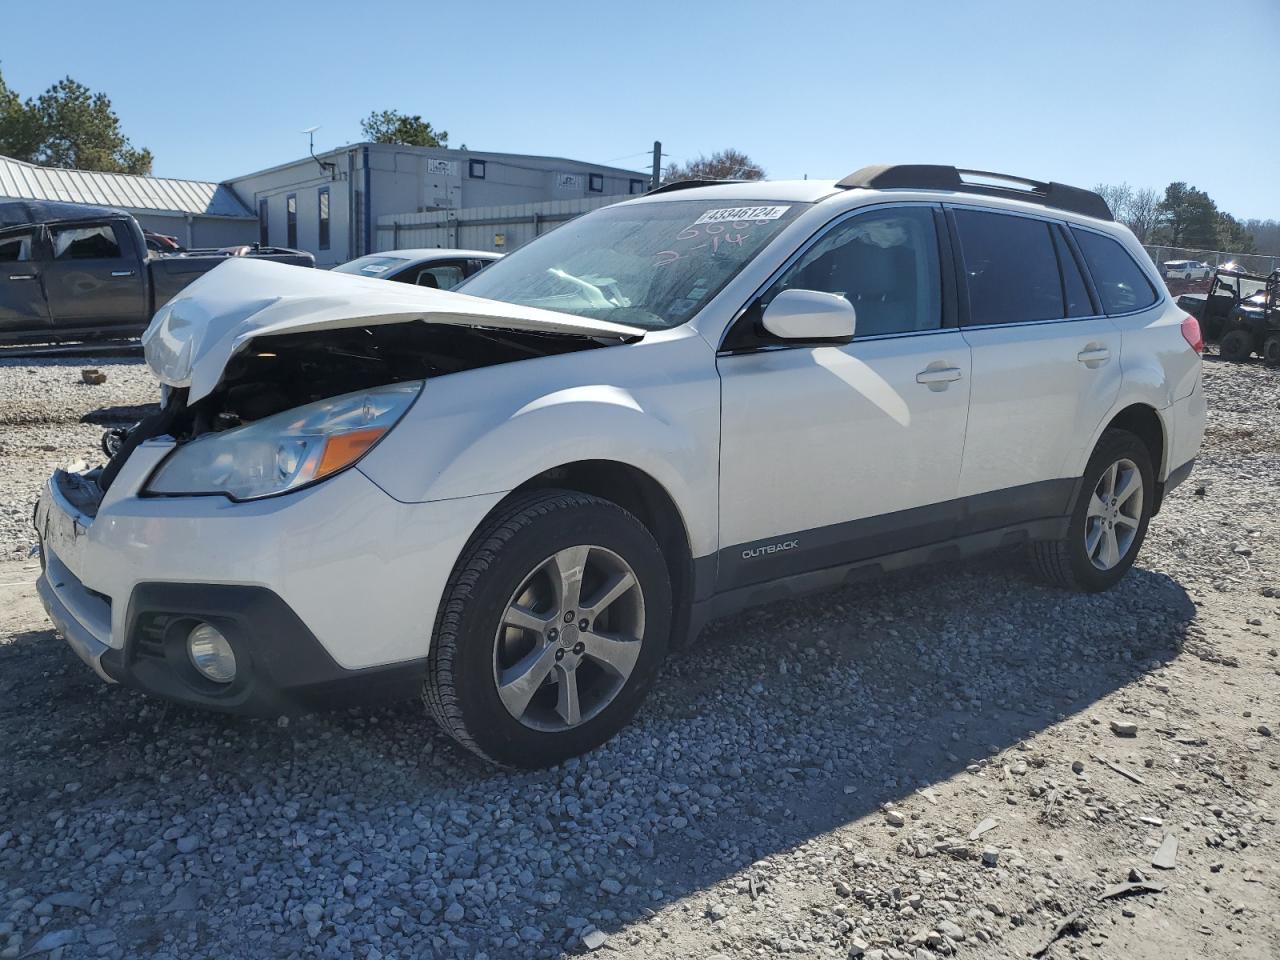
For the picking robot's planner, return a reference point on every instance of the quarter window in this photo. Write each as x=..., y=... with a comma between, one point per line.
x=885, y=263
x=1073, y=285
x=1122, y=284
x=291, y=220
x=85, y=243
x=1011, y=268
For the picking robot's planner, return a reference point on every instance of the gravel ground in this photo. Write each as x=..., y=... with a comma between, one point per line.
x=952, y=760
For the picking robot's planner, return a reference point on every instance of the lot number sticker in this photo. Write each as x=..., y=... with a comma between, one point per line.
x=741, y=214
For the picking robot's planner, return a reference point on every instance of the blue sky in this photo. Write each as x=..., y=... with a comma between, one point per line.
x=1079, y=91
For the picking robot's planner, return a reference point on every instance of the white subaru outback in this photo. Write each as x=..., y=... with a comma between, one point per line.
x=515, y=499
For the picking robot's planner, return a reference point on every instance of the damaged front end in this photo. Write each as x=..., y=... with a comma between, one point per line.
x=268, y=393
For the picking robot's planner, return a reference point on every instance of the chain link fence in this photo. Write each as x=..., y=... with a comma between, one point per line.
x=1248, y=262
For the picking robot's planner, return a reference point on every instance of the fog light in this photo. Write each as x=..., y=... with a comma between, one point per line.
x=211, y=654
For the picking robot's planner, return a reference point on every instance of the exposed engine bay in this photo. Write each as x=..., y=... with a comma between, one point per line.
x=275, y=373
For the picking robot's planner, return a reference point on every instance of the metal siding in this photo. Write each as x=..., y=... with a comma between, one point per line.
x=27, y=181
x=456, y=228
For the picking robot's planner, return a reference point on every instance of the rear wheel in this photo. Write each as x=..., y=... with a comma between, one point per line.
x=551, y=631
x=1271, y=350
x=1108, y=521
x=1236, y=345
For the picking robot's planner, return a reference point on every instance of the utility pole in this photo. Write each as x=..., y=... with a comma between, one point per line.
x=657, y=164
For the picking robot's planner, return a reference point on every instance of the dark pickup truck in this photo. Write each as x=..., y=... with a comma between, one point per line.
x=72, y=272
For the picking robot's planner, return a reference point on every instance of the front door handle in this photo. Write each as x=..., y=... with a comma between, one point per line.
x=937, y=375
x=1094, y=355
x=122, y=273
x=22, y=276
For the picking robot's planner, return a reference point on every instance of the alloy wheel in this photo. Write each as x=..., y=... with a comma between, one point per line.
x=1114, y=514
x=569, y=638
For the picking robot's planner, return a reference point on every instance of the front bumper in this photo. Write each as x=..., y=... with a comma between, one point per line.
x=327, y=591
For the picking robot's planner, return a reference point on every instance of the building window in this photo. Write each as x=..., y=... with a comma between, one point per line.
x=475, y=169
x=324, y=218
x=595, y=182
x=291, y=219
x=637, y=186
x=264, y=235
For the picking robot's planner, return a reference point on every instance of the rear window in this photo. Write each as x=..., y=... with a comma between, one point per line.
x=1122, y=284
x=371, y=266
x=85, y=243
x=15, y=249
x=1011, y=267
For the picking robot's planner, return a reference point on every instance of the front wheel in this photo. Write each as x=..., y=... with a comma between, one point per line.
x=551, y=630
x=1236, y=345
x=1108, y=520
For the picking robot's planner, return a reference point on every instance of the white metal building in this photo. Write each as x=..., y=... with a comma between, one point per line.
x=332, y=204
x=198, y=213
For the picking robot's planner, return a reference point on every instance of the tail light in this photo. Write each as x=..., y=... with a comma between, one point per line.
x=1191, y=333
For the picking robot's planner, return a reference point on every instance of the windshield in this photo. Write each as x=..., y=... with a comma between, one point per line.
x=371, y=266
x=647, y=264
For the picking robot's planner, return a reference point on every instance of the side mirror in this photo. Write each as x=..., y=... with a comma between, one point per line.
x=810, y=316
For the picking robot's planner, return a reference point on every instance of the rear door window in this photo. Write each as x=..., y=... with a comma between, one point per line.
x=85, y=243
x=15, y=248
x=1011, y=267
x=1121, y=284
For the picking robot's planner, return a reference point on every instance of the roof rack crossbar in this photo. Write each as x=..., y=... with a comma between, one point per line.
x=923, y=176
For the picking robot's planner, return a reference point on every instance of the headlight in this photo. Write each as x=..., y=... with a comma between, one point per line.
x=287, y=450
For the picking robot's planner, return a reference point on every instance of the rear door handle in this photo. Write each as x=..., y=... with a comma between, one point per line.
x=937, y=376
x=1094, y=355
x=122, y=273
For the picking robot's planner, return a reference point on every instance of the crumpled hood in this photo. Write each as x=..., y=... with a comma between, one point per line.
x=192, y=337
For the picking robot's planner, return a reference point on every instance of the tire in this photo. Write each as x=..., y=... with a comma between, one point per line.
x=1236, y=345
x=512, y=570
x=1271, y=350
x=1068, y=561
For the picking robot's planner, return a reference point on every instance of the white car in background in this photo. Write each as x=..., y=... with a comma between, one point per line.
x=438, y=268
x=518, y=498
x=1187, y=270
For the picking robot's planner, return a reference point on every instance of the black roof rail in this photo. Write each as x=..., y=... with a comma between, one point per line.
x=924, y=176
x=686, y=184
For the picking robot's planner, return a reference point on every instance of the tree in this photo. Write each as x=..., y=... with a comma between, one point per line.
x=729, y=164
x=1232, y=234
x=67, y=126
x=1265, y=235
x=392, y=126
x=1137, y=209
x=1188, y=218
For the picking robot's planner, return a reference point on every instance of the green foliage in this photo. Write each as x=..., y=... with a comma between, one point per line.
x=729, y=164
x=67, y=126
x=1188, y=218
x=392, y=126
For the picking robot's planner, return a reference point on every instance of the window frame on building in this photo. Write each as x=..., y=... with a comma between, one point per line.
x=264, y=222
x=291, y=220
x=474, y=165
x=322, y=218
x=592, y=180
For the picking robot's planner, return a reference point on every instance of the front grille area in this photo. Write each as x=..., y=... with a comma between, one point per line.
x=149, y=636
